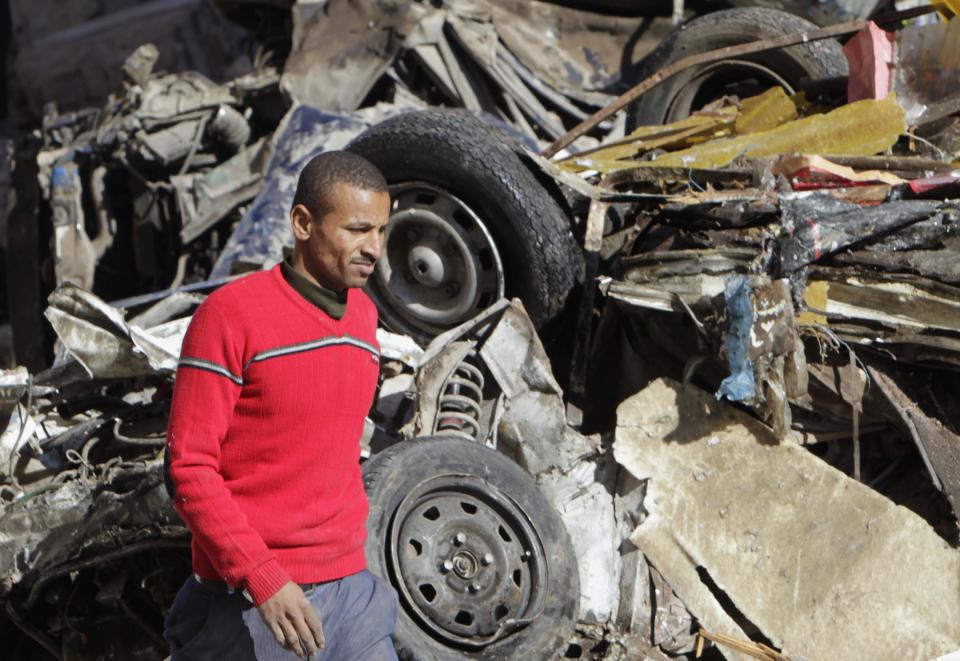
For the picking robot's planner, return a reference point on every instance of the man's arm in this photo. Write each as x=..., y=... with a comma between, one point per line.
x=206, y=390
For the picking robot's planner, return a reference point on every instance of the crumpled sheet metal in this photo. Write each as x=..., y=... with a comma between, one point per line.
x=696, y=277
x=862, y=128
x=531, y=428
x=19, y=432
x=575, y=52
x=204, y=198
x=795, y=544
x=105, y=344
x=483, y=57
x=342, y=47
x=533, y=424
x=939, y=265
x=55, y=526
x=585, y=504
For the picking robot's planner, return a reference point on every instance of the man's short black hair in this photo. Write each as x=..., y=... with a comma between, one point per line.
x=335, y=167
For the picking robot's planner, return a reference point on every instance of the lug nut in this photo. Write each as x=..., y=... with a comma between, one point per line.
x=447, y=565
x=487, y=559
x=460, y=539
x=474, y=588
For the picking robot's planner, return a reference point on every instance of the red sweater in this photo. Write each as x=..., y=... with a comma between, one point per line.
x=268, y=409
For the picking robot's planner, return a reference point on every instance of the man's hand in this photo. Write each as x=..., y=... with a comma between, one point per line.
x=293, y=621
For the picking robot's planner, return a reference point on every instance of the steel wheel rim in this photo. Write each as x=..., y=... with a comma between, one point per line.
x=439, y=266
x=710, y=83
x=465, y=575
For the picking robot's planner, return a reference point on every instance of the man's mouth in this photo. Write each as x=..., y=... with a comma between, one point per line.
x=365, y=266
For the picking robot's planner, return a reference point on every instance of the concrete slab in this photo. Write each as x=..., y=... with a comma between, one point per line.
x=824, y=566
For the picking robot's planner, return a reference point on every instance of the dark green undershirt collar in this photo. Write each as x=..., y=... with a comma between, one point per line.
x=332, y=302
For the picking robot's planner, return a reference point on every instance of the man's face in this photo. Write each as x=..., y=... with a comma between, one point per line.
x=342, y=246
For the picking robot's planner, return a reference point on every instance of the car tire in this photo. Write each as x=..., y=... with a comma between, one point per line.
x=482, y=563
x=693, y=88
x=465, y=200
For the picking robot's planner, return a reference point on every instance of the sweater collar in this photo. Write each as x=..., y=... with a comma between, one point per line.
x=332, y=302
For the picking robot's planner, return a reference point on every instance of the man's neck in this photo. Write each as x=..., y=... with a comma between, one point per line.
x=331, y=302
x=299, y=265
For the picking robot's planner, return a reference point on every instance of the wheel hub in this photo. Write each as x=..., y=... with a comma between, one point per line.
x=439, y=265
x=467, y=562
x=426, y=265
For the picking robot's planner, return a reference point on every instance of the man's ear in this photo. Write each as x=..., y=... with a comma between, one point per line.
x=302, y=221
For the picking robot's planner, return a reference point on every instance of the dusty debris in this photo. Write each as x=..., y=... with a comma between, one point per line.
x=705, y=58
x=485, y=57
x=76, y=455
x=795, y=545
x=776, y=247
x=138, y=186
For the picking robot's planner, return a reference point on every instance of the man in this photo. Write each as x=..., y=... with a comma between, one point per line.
x=277, y=372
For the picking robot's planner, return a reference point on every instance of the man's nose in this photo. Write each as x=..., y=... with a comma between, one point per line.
x=372, y=246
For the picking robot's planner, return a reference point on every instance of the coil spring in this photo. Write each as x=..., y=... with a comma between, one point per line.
x=460, y=401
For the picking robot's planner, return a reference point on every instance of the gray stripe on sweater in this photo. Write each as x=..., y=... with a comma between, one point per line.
x=209, y=366
x=310, y=346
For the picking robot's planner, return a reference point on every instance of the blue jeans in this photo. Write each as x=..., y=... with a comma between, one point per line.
x=210, y=622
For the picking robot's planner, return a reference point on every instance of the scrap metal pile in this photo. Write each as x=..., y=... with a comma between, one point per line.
x=684, y=377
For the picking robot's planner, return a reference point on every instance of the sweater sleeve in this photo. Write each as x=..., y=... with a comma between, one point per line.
x=205, y=392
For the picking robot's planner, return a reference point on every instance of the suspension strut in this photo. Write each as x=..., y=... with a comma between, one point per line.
x=460, y=400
